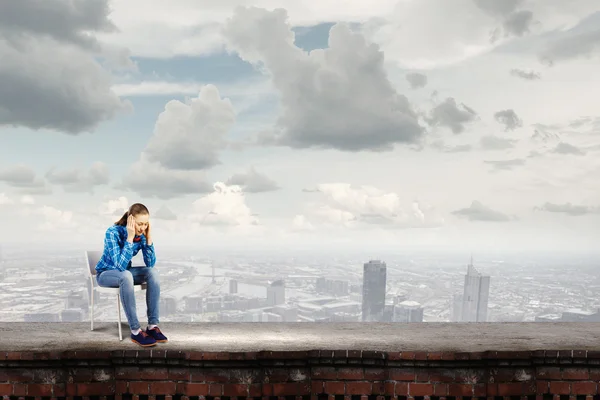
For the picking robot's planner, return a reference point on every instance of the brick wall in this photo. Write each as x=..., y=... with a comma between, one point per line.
x=300, y=375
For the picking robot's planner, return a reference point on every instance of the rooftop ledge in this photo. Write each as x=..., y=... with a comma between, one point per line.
x=303, y=361
x=300, y=336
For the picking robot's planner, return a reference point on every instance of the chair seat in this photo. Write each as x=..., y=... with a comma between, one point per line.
x=136, y=288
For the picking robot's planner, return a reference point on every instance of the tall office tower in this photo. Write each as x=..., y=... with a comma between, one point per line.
x=475, y=296
x=233, y=286
x=373, y=298
x=276, y=293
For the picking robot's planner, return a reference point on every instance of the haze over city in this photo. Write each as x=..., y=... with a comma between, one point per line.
x=299, y=141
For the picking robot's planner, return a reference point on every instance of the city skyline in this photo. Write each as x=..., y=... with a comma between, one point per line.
x=472, y=128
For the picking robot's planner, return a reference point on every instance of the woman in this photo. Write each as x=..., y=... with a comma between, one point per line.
x=122, y=241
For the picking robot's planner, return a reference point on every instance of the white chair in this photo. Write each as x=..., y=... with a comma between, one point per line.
x=92, y=257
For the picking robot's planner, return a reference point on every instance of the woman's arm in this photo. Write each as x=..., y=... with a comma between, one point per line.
x=148, y=253
x=120, y=257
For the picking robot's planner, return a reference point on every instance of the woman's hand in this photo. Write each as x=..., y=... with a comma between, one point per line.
x=130, y=228
x=148, y=235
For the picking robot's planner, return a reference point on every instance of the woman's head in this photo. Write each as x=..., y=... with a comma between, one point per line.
x=140, y=213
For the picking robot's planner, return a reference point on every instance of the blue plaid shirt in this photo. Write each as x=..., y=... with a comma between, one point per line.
x=118, y=252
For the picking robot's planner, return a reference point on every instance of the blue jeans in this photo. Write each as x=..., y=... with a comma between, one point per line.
x=125, y=281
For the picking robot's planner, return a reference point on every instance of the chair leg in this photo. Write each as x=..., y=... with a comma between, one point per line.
x=119, y=308
x=92, y=308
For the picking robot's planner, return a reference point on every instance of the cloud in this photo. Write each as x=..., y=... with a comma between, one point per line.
x=506, y=164
x=527, y=75
x=478, y=212
x=461, y=148
x=5, y=200
x=300, y=224
x=566, y=148
x=153, y=180
x=50, y=72
x=509, y=119
x=225, y=206
x=24, y=178
x=491, y=142
x=339, y=97
x=253, y=182
x=188, y=136
x=165, y=213
x=514, y=22
x=416, y=80
x=26, y=199
x=583, y=40
x=448, y=114
x=114, y=207
x=569, y=209
x=356, y=206
x=75, y=180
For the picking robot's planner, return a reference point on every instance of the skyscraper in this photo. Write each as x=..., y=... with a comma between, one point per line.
x=475, y=296
x=374, y=285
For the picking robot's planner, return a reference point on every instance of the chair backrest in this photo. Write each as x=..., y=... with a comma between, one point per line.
x=92, y=257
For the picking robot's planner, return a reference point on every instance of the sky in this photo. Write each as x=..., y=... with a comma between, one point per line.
x=471, y=125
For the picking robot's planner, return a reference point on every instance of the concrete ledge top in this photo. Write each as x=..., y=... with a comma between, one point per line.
x=260, y=336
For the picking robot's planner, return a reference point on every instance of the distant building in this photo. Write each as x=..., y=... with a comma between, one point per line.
x=334, y=287
x=194, y=304
x=276, y=293
x=408, y=311
x=475, y=296
x=41, y=317
x=233, y=286
x=374, y=285
x=71, y=315
x=168, y=305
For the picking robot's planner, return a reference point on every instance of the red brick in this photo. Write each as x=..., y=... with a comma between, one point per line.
x=139, y=387
x=287, y=389
x=420, y=389
x=421, y=355
x=560, y=387
x=215, y=389
x=325, y=372
x=542, y=387
x=128, y=373
x=407, y=355
x=492, y=390
x=39, y=389
x=358, y=388
x=434, y=355
x=315, y=387
x=19, y=389
x=192, y=355
x=442, y=375
x=193, y=389
x=71, y=389
x=18, y=375
x=374, y=374
x=6, y=388
x=163, y=387
x=155, y=374
x=121, y=387
x=335, y=387
x=458, y=389
x=595, y=374
x=440, y=389
x=510, y=389
x=235, y=389
x=388, y=388
x=479, y=390
x=179, y=374
x=584, y=388
x=95, y=388
x=577, y=374
x=394, y=355
x=255, y=390
x=216, y=375
x=402, y=374
x=550, y=373
x=347, y=373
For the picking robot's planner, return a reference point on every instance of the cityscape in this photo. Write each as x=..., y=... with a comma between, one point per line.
x=243, y=288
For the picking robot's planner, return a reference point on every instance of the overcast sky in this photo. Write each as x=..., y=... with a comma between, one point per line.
x=466, y=124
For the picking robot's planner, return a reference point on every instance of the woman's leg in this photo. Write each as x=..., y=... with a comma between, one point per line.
x=124, y=281
x=151, y=277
